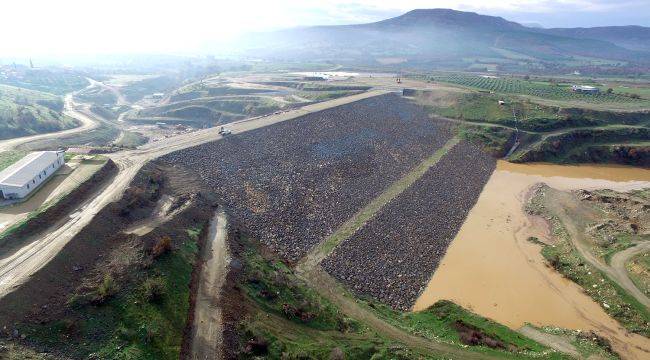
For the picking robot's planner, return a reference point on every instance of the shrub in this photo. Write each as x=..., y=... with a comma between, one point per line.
x=153, y=289
x=106, y=289
x=163, y=245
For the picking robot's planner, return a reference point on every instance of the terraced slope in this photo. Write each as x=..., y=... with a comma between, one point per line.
x=293, y=183
x=394, y=255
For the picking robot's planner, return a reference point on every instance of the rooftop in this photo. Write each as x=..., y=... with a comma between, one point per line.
x=27, y=168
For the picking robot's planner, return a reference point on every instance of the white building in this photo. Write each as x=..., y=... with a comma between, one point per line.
x=585, y=89
x=28, y=173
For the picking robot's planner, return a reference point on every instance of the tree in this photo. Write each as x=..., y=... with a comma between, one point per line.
x=610, y=90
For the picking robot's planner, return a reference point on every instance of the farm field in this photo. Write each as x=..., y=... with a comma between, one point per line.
x=316, y=171
x=401, y=246
x=560, y=92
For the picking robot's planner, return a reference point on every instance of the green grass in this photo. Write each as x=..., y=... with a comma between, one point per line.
x=621, y=242
x=141, y=319
x=638, y=269
x=273, y=288
x=9, y=157
x=494, y=140
x=28, y=112
x=571, y=146
x=295, y=322
x=131, y=139
x=439, y=320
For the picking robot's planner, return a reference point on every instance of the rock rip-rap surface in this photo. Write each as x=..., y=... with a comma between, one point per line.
x=394, y=255
x=292, y=184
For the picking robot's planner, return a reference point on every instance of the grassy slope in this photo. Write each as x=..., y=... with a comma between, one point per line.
x=9, y=157
x=142, y=319
x=26, y=112
x=50, y=81
x=216, y=104
x=289, y=318
x=547, y=133
x=639, y=270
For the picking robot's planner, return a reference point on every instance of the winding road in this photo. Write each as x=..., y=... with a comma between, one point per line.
x=564, y=206
x=72, y=110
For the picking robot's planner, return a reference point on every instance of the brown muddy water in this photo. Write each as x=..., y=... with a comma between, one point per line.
x=491, y=269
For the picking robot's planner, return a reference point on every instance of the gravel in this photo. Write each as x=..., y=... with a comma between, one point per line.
x=394, y=255
x=293, y=183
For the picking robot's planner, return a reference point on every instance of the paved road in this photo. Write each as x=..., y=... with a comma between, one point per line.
x=207, y=329
x=17, y=267
x=70, y=109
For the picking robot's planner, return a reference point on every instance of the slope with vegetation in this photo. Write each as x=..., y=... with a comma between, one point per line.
x=51, y=80
x=543, y=127
x=217, y=102
x=27, y=112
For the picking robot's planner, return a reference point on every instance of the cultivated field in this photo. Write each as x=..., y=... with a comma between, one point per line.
x=559, y=92
x=293, y=183
x=395, y=254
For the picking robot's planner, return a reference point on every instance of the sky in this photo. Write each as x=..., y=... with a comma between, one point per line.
x=83, y=27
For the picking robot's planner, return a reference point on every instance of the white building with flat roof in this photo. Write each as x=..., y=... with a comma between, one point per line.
x=585, y=89
x=21, y=178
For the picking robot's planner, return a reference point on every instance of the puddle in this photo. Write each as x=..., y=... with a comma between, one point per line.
x=493, y=270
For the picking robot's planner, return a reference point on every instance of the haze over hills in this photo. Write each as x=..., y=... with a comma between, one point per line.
x=632, y=37
x=444, y=37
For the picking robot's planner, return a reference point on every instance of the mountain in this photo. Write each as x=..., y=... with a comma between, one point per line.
x=436, y=36
x=632, y=37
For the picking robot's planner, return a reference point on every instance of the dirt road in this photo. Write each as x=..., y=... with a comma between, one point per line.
x=569, y=213
x=15, y=268
x=619, y=259
x=207, y=328
x=71, y=110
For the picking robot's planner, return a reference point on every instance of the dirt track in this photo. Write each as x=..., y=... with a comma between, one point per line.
x=16, y=268
x=564, y=204
x=619, y=259
x=207, y=329
x=71, y=110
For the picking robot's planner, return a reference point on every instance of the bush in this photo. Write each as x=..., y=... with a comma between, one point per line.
x=106, y=289
x=162, y=246
x=154, y=289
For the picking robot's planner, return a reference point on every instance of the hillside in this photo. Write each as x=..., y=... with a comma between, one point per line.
x=27, y=112
x=630, y=37
x=441, y=37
